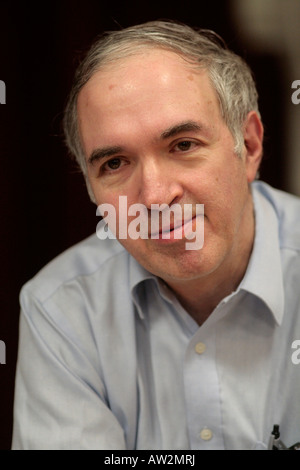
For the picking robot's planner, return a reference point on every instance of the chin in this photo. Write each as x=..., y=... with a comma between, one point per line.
x=187, y=267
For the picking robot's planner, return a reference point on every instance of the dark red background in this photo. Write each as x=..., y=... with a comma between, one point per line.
x=44, y=205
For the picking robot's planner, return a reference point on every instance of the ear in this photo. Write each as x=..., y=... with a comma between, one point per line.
x=253, y=142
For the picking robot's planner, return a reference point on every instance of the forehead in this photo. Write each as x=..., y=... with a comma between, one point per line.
x=144, y=94
x=149, y=69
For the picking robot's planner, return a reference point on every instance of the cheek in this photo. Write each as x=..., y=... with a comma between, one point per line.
x=223, y=191
x=104, y=195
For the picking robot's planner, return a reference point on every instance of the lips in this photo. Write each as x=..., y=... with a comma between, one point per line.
x=172, y=227
x=174, y=231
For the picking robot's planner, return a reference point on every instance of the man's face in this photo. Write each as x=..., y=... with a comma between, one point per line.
x=152, y=125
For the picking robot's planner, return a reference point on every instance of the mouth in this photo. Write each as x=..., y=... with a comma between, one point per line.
x=175, y=232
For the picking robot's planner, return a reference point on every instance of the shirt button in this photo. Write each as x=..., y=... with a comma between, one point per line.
x=200, y=348
x=206, y=434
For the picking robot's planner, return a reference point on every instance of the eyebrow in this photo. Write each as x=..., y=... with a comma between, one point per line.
x=187, y=126
x=104, y=152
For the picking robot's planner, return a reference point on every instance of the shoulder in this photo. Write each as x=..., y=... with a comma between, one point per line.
x=85, y=260
x=287, y=209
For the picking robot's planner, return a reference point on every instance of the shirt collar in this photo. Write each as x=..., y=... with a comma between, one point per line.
x=263, y=276
x=137, y=277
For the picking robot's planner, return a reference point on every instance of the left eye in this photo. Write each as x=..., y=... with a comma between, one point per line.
x=184, y=145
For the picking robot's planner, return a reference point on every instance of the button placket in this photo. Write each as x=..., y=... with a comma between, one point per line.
x=203, y=392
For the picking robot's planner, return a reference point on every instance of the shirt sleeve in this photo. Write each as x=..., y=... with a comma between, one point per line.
x=60, y=397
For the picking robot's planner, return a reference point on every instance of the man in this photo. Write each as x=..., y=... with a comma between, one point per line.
x=141, y=343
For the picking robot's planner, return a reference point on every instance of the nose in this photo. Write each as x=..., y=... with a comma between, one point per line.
x=159, y=183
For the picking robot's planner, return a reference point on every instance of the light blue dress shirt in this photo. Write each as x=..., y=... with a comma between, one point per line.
x=108, y=358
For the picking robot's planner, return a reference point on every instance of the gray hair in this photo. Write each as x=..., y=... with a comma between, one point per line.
x=229, y=74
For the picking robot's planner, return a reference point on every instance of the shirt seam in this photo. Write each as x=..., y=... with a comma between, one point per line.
x=37, y=294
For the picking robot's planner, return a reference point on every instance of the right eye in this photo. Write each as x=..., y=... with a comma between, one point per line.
x=112, y=165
